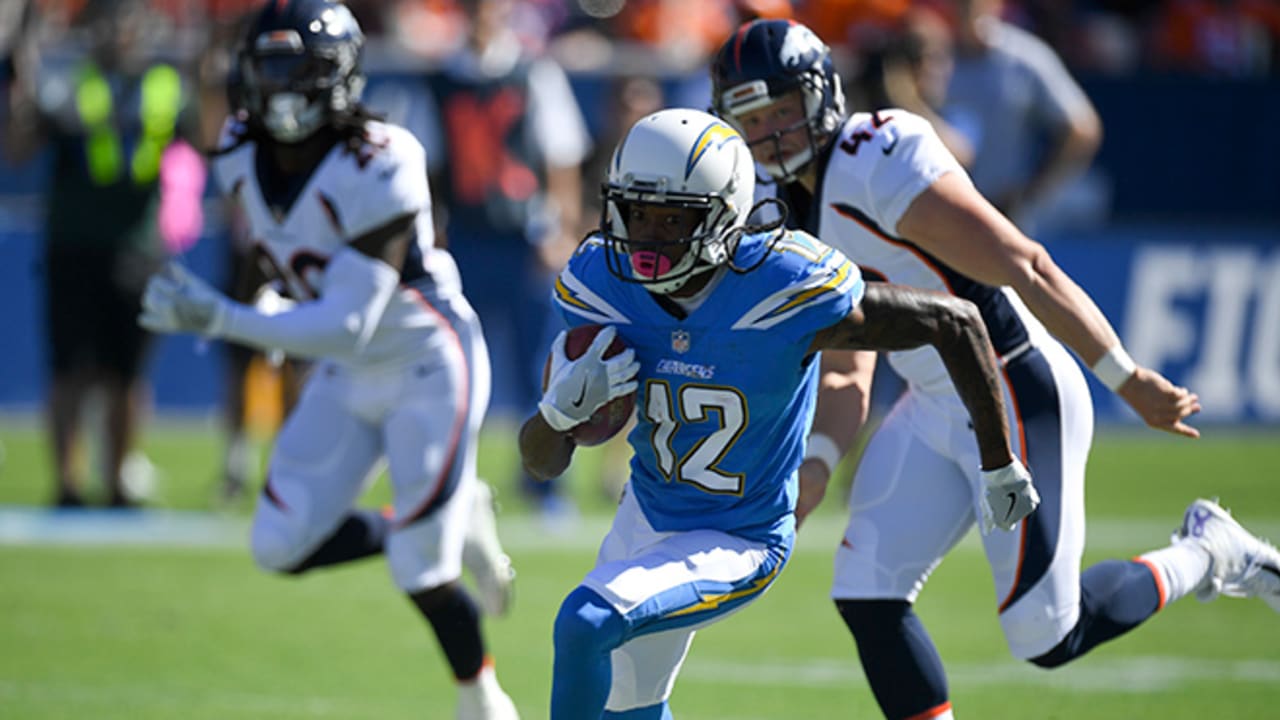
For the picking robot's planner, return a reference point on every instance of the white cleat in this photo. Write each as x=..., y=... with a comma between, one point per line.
x=483, y=557
x=484, y=699
x=1242, y=564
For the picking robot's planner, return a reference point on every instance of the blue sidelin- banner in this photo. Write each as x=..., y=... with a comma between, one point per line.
x=1201, y=305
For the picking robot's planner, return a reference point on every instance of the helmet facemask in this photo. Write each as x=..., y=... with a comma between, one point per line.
x=823, y=111
x=293, y=88
x=760, y=65
x=676, y=159
x=665, y=266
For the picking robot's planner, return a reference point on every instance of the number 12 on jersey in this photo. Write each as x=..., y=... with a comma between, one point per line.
x=696, y=404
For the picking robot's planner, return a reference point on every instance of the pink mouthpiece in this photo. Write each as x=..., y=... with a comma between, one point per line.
x=650, y=264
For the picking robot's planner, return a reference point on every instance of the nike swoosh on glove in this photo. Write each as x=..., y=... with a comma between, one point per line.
x=176, y=300
x=577, y=388
x=1009, y=497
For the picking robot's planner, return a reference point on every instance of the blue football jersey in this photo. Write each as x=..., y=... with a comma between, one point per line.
x=726, y=393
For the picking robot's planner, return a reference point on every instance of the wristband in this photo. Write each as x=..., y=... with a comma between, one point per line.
x=823, y=449
x=1114, y=368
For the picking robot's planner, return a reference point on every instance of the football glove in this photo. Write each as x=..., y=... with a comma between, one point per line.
x=176, y=300
x=269, y=300
x=1009, y=496
x=577, y=388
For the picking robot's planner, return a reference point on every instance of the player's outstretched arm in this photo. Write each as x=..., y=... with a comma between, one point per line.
x=952, y=221
x=896, y=317
x=359, y=281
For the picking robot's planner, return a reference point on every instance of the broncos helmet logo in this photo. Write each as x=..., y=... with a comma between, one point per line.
x=800, y=47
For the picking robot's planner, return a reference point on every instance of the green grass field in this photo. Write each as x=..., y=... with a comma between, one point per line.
x=91, y=628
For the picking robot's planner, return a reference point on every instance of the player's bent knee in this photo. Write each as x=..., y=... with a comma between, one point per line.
x=587, y=625
x=275, y=549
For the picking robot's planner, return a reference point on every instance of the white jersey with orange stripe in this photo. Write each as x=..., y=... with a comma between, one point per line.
x=356, y=188
x=875, y=169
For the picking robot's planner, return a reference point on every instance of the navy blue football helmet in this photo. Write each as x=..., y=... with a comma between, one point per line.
x=766, y=59
x=300, y=67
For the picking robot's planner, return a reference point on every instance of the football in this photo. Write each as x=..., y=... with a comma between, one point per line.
x=610, y=418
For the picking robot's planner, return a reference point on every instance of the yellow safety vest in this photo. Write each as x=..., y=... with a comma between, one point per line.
x=161, y=100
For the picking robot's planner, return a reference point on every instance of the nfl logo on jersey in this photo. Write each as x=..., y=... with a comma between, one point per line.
x=680, y=341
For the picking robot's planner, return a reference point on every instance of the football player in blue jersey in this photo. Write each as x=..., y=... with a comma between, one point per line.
x=723, y=324
x=881, y=187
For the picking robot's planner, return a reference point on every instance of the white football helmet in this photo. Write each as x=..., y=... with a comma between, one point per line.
x=677, y=158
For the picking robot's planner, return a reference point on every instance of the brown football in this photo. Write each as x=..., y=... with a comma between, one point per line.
x=613, y=415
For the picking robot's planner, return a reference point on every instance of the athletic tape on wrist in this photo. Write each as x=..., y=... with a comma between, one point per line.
x=822, y=448
x=1114, y=368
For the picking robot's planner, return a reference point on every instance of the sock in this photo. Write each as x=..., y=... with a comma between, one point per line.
x=485, y=683
x=1115, y=597
x=361, y=534
x=1181, y=568
x=898, y=657
x=456, y=621
x=587, y=629
x=653, y=712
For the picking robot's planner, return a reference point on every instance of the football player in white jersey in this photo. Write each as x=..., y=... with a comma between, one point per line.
x=881, y=187
x=337, y=203
x=706, y=522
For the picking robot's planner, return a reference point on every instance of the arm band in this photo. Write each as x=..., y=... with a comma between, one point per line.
x=1114, y=368
x=339, y=323
x=823, y=449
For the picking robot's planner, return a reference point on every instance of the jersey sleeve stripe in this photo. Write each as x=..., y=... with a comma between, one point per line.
x=574, y=296
x=815, y=289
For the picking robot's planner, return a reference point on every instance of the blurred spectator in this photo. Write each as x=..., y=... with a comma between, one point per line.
x=749, y=10
x=1031, y=126
x=915, y=71
x=124, y=179
x=676, y=28
x=852, y=25
x=1237, y=38
x=508, y=156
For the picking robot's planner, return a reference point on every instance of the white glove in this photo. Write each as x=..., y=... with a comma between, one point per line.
x=577, y=388
x=270, y=301
x=178, y=301
x=1009, y=496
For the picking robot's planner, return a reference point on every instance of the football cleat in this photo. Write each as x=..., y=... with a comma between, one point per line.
x=1242, y=565
x=484, y=699
x=483, y=557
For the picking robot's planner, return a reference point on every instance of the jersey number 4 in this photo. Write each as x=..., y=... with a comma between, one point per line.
x=696, y=404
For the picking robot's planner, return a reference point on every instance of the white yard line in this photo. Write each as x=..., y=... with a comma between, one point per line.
x=179, y=528
x=1143, y=674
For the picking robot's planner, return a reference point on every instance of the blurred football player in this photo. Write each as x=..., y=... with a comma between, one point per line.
x=881, y=187
x=723, y=322
x=338, y=203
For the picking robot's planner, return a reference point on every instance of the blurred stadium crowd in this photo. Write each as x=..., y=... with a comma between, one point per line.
x=1237, y=38
x=1156, y=70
